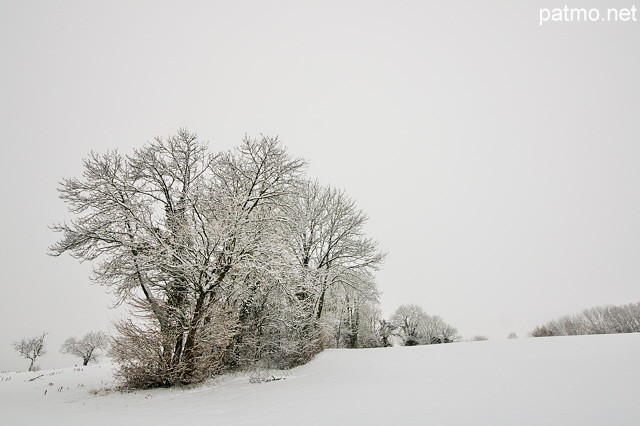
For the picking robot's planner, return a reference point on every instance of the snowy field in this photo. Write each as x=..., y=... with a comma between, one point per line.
x=584, y=380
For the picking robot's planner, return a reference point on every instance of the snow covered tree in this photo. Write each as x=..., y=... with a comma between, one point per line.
x=276, y=328
x=354, y=308
x=227, y=259
x=541, y=331
x=170, y=224
x=436, y=330
x=597, y=320
x=415, y=327
x=384, y=331
x=409, y=321
x=31, y=349
x=89, y=347
x=479, y=338
x=326, y=237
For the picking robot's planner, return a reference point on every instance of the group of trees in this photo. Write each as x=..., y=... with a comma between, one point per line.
x=227, y=259
x=597, y=320
x=415, y=327
x=88, y=348
x=235, y=258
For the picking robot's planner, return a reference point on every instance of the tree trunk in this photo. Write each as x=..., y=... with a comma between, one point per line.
x=321, y=303
x=188, y=353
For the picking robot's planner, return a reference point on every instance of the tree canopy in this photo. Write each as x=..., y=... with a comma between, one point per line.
x=227, y=258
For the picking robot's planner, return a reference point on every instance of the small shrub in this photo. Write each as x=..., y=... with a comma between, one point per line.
x=478, y=338
x=542, y=331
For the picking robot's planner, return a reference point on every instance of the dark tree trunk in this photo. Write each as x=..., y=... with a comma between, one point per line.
x=321, y=303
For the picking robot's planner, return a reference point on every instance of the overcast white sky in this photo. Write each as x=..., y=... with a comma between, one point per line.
x=498, y=160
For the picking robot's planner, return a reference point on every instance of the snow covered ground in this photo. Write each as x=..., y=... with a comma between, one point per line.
x=584, y=380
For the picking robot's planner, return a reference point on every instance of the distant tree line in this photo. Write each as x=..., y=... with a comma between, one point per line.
x=228, y=259
x=607, y=319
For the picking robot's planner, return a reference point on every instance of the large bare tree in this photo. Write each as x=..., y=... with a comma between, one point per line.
x=169, y=224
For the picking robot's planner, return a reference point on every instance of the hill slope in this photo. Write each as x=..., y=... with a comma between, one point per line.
x=584, y=380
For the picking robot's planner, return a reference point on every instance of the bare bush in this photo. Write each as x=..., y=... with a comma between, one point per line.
x=144, y=353
x=542, y=331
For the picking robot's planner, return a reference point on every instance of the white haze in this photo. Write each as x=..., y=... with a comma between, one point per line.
x=497, y=159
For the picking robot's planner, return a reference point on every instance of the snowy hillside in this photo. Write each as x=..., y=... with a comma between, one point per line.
x=585, y=380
